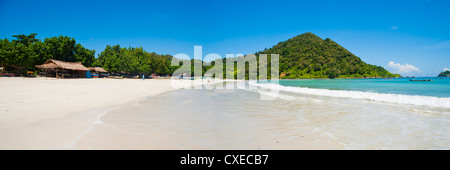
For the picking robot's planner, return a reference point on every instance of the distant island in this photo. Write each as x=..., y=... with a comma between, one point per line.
x=444, y=74
x=309, y=56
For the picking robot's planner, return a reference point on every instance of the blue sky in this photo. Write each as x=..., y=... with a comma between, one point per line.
x=414, y=35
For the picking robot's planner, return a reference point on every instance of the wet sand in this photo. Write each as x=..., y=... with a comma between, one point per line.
x=203, y=119
x=238, y=119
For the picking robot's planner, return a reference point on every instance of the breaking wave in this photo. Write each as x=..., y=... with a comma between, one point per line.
x=443, y=102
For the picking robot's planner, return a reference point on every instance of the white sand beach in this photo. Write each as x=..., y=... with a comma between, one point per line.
x=46, y=113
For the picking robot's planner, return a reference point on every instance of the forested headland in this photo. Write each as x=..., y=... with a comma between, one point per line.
x=309, y=56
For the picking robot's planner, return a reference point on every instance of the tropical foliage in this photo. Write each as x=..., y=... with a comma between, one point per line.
x=134, y=60
x=25, y=51
x=304, y=56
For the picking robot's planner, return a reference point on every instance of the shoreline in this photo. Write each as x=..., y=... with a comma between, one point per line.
x=48, y=114
x=125, y=127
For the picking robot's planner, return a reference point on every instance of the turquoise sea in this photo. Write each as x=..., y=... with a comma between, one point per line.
x=438, y=87
x=434, y=93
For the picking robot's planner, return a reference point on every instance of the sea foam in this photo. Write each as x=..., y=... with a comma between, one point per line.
x=430, y=101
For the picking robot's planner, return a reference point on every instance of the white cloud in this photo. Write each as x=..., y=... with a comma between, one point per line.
x=395, y=27
x=405, y=69
x=446, y=69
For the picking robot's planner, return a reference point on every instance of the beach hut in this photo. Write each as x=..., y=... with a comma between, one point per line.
x=62, y=69
x=97, y=71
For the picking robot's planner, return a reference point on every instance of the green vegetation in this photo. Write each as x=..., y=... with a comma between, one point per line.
x=304, y=56
x=23, y=53
x=134, y=60
x=444, y=74
x=309, y=56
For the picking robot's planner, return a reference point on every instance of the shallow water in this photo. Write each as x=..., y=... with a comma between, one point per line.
x=238, y=119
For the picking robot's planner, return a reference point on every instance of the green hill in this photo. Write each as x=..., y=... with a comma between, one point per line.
x=309, y=56
x=444, y=74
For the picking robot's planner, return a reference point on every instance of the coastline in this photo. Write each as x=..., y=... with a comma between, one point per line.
x=46, y=113
x=159, y=122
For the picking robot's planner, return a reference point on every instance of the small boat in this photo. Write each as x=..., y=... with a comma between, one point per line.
x=95, y=75
x=420, y=80
x=115, y=77
x=8, y=75
x=135, y=77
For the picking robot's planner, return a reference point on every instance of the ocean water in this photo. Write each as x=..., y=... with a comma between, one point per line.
x=308, y=114
x=435, y=93
x=438, y=87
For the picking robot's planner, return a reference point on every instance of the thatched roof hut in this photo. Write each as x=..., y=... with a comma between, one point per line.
x=56, y=64
x=97, y=69
x=56, y=68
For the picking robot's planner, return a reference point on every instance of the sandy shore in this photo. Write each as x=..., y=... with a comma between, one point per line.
x=45, y=113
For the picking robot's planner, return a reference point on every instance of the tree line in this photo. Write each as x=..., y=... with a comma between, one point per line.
x=134, y=60
x=304, y=56
x=25, y=51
